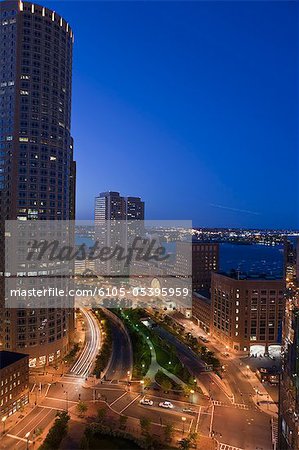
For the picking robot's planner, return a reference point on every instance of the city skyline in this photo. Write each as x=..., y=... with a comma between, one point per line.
x=204, y=99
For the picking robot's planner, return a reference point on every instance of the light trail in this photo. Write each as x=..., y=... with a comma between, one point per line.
x=83, y=365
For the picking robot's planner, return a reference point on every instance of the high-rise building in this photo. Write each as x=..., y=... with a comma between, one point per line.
x=37, y=170
x=134, y=208
x=247, y=311
x=109, y=206
x=112, y=206
x=204, y=261
x=117, y=220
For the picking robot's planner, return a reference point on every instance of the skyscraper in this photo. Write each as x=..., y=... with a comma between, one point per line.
x=37, y=171
x=117, y=221
x=112, y=206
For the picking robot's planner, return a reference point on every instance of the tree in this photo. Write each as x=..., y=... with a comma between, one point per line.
x=168, y=432
x=123, y=422
x=102, y=412
x=166, y=384
x=81, y=408
x=184, y=444
x=147, y=381
x=145, y=424
x=192, y=437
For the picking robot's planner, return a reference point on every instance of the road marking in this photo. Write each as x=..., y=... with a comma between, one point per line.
x=228, y=447
x=33, y=387
x=54, y=408
x=29, y=420
x=125, y=393
x=130, y=403
x=35, y=425
x=191, y=422
x=234, y=405
x=60, y=400
x=212, y=418
x=13, y=436
x=47, y=390
x=198, y=417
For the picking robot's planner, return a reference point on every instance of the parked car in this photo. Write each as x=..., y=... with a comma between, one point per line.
x=146, y=401
x=166, y=404
x=189, y=410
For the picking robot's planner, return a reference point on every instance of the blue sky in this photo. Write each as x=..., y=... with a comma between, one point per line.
x=191, y=105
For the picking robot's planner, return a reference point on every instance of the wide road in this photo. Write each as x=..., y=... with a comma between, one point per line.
x=121, y=362
x=84, y=363
x=194, y=365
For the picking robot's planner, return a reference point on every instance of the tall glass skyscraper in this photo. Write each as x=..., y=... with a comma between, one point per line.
x=37, y=170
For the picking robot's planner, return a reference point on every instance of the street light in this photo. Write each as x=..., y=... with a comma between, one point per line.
x=192, y=395
x=27, y=439
x=3, y=421
x=184, y=420
x=67, y=400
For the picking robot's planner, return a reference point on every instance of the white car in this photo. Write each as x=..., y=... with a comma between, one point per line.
x=146, y=401
x=168, y=405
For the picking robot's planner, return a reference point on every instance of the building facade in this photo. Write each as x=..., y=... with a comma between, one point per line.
x=247, y=311
x=204, y=261
x=14, y=382
x=37, y=170
x=201, y=310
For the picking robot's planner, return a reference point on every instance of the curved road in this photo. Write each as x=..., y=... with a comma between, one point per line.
x=121, y=361
x=84, y=363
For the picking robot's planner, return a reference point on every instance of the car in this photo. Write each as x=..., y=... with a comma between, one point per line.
x=146, y=401
x=225, y=354
x=189, y=410
x=166, y=404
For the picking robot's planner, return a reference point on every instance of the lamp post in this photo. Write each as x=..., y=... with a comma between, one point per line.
x=3, y=421
x=128, y=375
x=142, y=386
x=183, y=420
x=67, y=400
x=247, y=367
x=192, y=396
x=27, y=439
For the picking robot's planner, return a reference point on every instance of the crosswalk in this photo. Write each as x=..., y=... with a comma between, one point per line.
x=274, y=427
x=234, y=405
x=222, y=446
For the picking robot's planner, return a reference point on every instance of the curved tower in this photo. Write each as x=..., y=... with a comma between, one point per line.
x=37, y=171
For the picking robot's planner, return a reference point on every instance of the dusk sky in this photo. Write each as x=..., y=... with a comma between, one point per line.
x=191, y=105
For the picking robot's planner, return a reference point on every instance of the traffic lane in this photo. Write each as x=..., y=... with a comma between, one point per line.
x=194, y=365
x=120, y=362
x=39, y=417
x=244, y=429
x=159, y=416
x=240, y=387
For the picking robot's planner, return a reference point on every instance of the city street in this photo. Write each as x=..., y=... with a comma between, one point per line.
x=84, y=363
x=121, y=362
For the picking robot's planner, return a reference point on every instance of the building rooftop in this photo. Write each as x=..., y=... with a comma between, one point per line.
x=203, y=294
x=237, y=275
x=8, y=358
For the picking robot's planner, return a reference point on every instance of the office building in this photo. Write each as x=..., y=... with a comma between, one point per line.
x=204, y=260
x=14, y=382
x=37, y=170
x=202, y=310
x=247, y=311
